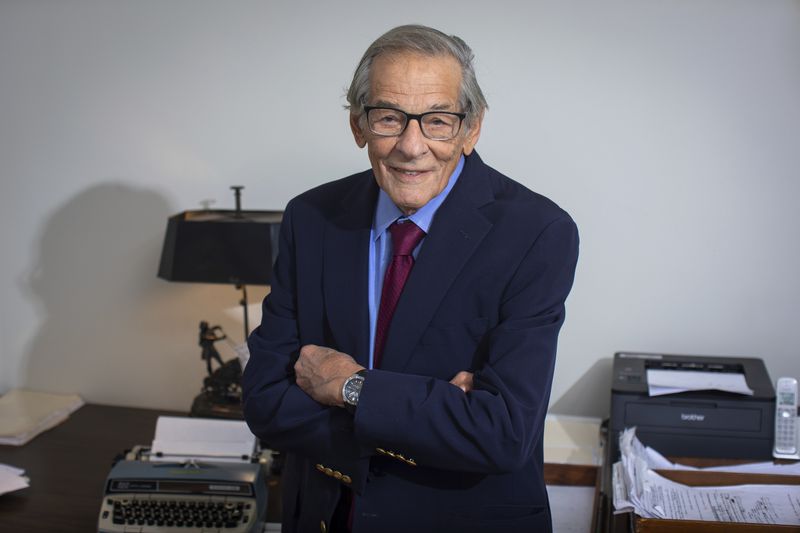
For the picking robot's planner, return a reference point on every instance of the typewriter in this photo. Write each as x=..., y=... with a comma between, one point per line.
x=146, y=494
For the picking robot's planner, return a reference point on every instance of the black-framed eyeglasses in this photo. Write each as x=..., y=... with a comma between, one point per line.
x=435, y=125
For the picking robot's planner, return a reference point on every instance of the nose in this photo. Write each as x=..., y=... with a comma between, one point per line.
x=411, y=143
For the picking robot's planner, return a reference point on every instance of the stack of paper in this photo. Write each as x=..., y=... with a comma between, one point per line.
x=572, y=440
x=24, y=414
x=639, y=489
x=12, y=479
x=656, y=461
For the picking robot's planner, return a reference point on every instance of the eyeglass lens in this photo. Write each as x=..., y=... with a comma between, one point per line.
x=434, y=125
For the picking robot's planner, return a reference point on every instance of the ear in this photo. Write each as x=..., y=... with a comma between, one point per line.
x=473, y=135
x=358, y=133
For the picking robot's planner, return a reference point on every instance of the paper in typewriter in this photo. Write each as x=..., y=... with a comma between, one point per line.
x=180, y=439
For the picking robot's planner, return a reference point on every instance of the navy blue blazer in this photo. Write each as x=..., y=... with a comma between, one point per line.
x=486, y=295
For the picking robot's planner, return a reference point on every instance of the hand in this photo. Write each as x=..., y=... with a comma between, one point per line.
x=463, y=380
x=320, y=372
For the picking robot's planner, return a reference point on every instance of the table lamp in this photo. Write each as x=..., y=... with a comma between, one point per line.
x=234, y=247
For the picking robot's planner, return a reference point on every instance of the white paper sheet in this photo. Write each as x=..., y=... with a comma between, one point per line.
x=656, y=461
x=12, y=478
x=179, y=439
x=660, y=382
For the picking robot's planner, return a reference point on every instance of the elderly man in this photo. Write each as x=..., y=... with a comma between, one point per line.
x=406, y=352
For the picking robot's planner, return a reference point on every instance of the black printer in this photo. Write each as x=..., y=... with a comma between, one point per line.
x=705, y=423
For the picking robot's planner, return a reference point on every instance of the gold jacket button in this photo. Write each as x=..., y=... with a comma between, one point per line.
x=380, y=451
x=320, y=468
x=412, y=462
x=398, y=456
x=391, y=453
x=322, y=527
x=328, y=471
x=337, y=474
x=346, y=479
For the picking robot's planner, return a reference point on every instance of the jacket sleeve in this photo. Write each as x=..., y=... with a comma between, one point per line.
x=275, y=408
x=495, y=427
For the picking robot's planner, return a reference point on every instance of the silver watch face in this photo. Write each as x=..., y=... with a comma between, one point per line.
x=352, y=389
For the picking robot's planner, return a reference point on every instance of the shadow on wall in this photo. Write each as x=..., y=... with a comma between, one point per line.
x=110, y=329
x=590, y=395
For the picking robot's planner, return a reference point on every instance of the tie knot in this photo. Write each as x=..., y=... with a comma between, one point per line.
x=405, y=237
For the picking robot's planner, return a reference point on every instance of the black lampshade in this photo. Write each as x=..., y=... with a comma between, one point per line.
x=220, y=246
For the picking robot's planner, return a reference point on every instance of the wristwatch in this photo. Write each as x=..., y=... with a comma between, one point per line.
x=351, y=390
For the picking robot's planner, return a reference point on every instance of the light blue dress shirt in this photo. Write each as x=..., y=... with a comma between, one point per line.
x=380, y=243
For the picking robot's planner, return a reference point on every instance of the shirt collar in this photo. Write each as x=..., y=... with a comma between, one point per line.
x=387, y=212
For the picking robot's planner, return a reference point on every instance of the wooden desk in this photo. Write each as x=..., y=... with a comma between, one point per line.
x=68, y=465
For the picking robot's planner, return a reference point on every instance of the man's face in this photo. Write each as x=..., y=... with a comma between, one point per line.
x=411, y=168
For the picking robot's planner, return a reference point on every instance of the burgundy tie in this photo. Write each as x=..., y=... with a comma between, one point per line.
x=405, y=237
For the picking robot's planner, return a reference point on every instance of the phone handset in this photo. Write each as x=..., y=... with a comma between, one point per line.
x=786, y=436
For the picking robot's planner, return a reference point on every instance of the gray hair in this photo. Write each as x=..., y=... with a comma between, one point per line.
x=427, y=41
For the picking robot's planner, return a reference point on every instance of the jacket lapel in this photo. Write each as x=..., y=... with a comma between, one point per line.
x=346, y=246
x=457, y=230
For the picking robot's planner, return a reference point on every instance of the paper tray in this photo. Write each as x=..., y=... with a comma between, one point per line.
x=710, y=479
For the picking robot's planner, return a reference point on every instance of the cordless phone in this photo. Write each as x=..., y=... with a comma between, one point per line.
x=786, y=445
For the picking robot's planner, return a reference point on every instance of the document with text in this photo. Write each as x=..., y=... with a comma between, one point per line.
x=637, y=487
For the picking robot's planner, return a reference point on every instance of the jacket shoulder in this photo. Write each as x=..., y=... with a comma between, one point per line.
x=517, y=204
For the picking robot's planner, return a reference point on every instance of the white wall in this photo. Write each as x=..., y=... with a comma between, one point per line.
x=670, y=131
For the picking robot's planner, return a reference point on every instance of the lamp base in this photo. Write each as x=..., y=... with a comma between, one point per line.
x=206, y=406
x=222, y=393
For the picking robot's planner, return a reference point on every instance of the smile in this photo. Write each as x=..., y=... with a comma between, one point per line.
x=411, y=173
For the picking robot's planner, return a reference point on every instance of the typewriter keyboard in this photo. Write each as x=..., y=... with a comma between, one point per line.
x=137, y=513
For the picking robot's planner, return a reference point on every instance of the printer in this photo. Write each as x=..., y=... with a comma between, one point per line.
x=698, y=423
